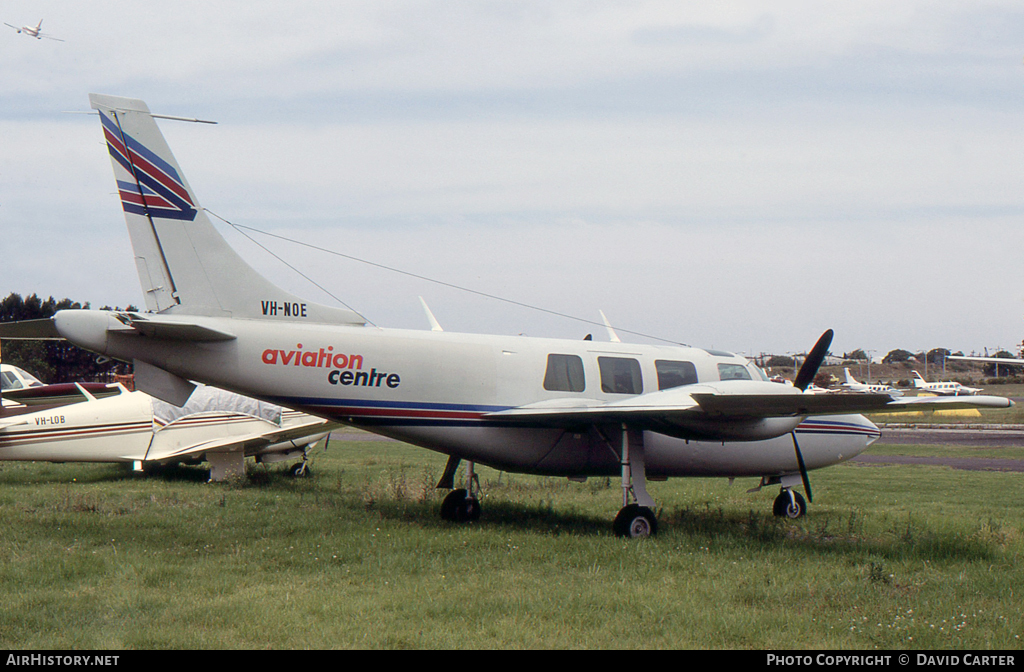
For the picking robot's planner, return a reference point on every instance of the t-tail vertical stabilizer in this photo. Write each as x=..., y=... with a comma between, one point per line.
x=185, y=266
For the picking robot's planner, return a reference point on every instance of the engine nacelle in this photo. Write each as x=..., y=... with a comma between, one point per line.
x=730, y=429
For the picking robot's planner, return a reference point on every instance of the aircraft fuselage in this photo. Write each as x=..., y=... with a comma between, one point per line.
x=436, y=390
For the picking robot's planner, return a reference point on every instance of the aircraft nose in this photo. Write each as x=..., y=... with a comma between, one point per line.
x=874, y=434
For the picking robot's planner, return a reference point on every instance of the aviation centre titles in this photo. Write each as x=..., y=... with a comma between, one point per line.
x=346, y=369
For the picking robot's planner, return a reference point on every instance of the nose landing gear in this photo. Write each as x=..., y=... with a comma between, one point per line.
x=789, y=504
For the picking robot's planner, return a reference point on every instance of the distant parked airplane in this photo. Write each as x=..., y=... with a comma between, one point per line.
x=852, y=385
x=946, y=389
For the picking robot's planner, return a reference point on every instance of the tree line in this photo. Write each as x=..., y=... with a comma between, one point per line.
x=54, y=361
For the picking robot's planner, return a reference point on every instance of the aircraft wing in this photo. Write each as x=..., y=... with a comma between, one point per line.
x=695, y=410
x=248, y=442
x=36, y=330
x=993, y=360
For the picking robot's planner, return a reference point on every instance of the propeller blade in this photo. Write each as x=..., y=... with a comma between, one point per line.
x=803, y=469
x=814, y=359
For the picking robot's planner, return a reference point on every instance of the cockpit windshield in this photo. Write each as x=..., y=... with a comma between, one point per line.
x=733, y=372
x=13, y=378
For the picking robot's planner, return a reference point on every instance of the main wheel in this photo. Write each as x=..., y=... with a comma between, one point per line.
x=450, y=506
x=635, y=521
x=459, y=507
x=789, y=504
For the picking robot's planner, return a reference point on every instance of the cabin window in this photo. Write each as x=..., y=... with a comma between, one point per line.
x=564, y=374
x=673, y=374
x=620, y=375
x=733, y=372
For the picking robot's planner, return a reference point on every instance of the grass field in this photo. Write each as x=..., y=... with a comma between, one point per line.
x=888, y=557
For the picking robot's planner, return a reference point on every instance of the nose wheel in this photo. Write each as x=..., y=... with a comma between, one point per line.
x=789, y=504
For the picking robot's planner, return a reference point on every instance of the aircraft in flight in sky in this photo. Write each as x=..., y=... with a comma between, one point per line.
x=36, y=31
x=574, y=408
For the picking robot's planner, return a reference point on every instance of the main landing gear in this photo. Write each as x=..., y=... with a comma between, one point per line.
x=636, y=519
x=461, y=505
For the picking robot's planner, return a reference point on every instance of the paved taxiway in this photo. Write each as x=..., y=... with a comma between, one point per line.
x=973, y=436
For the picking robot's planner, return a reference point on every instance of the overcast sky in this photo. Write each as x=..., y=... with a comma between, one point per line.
x=736, y=175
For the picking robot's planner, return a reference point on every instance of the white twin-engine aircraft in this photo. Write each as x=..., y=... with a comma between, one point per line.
x=946, y=388
x=519, y=404
x=853, y=385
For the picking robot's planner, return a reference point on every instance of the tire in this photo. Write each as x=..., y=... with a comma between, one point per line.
x=636, y=522
x=787, y=507
x=453, y=501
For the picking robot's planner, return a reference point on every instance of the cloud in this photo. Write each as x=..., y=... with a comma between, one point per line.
x=735, y=175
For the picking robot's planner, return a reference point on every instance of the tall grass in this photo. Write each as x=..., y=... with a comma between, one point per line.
x=356, y=557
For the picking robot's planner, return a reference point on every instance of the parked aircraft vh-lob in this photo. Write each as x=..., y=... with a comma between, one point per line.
x=520, y=404
x=215, y=426
x=21, y=387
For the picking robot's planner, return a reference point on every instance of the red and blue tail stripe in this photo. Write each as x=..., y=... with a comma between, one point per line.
x=159, y=191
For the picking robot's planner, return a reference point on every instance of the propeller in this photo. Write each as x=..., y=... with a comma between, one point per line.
x=803, y=379
x=813, y=361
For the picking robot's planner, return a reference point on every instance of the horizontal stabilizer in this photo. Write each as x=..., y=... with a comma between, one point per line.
x=176, y=330
x=35, y=330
